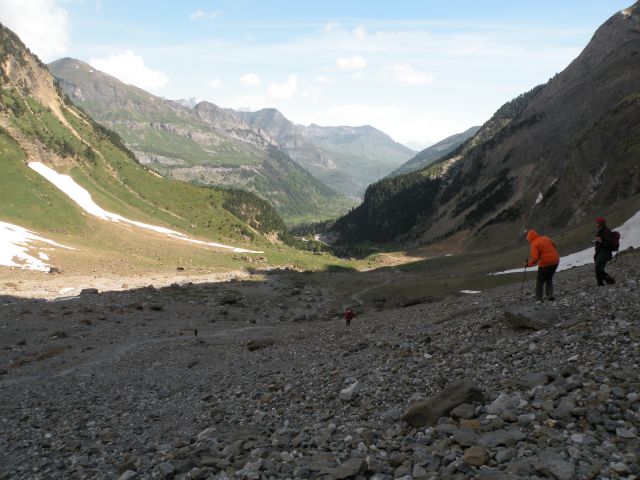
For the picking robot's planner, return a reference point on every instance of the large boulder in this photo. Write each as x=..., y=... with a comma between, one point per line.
x=534, y=316
x=428, y=411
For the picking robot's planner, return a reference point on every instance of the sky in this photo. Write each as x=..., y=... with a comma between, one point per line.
x=418, y=70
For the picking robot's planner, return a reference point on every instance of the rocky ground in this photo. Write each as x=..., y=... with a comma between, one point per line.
x=275, y=386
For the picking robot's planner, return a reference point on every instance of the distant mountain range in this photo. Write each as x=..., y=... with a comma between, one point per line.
x=550, y=158
x=347, y=159
x=434, y=152
x=205, y=145
x=200, y=142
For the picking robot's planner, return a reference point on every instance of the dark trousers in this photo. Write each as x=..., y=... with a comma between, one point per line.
x=601, y=259
x=545, y=279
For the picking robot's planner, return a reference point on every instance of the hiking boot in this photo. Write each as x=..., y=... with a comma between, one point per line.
x=551, y=299
x=610, y=280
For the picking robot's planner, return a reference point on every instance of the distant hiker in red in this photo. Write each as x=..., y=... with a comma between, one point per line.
x=348, y=315
x=545, y=255
x=605, y=245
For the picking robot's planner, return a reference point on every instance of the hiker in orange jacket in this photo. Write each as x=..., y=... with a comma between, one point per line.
x=545, y=255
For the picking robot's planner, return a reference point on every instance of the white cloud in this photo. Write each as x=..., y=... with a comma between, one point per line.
x=215, y=82
x=353, y=63
x=283, y=90
x=360, y=32
x=331, y=26
x=406, y=75
x=130, y=68
x=201, y=15
x=250, y=80
x=41, y=24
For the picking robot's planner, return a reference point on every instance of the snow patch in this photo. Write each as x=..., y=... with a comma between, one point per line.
x=471, y=292
x=83, y=198
x=540, y=198
x=629, y=237
x=16, y=241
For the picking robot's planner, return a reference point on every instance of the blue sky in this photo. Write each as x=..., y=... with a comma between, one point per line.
x=418, y=70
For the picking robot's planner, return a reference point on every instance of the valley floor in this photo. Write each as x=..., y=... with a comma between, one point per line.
x=118, y=384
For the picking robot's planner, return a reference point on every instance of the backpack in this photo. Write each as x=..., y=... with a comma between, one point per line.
x=615, y=241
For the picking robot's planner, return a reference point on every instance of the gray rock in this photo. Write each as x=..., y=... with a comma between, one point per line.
x=552, y=462
x=532, y=379
x=349, y=393
x=428, y=411
x=564, y=408
x=505, y=402
x=531, y=316
x=350, y=468
x=465, y=437
x=501, y=437
x=166, y=470
x=466, y=410
x=504, y=455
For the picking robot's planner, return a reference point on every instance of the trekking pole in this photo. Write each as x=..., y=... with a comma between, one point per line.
x=522, y=287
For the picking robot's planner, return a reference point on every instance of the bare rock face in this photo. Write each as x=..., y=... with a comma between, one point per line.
x=428, y=411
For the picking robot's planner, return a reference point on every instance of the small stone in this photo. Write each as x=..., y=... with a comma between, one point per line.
x=625, y=433
x=466, y=410
x=166, y=470
x=349, y=393
x=501, y=437
x=475, y=456
x=348, y=469
x=620, y=468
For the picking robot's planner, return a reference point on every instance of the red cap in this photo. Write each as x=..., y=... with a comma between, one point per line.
x=600, y=220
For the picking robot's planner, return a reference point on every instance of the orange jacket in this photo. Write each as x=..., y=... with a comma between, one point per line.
x=543, y=250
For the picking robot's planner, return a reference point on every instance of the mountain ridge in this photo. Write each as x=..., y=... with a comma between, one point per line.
x=434, y=152
x=189, y=144
x=346, y=158
x=575, y=149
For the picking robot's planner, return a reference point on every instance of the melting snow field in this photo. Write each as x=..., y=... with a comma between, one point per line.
x=16, y=241
x=629, y=237
x=83, y=198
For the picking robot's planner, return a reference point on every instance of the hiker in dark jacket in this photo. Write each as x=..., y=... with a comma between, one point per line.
x=348, y=315
x=604, y=248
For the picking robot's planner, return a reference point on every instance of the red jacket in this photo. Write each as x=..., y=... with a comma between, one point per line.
x=543, y=250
